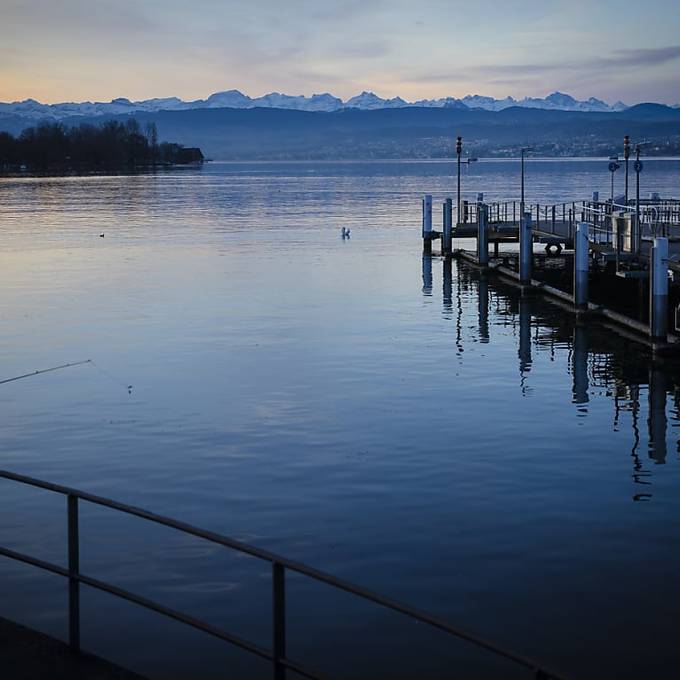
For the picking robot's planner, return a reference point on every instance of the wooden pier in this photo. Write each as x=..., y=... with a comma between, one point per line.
x=609, y=254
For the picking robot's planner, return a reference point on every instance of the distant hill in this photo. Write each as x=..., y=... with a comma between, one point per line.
x=404, y=132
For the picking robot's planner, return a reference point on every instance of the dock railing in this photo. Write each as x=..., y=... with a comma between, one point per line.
x=277, y=654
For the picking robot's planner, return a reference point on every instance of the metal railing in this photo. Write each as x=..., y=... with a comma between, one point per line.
x=655, y=217
x=277, y=654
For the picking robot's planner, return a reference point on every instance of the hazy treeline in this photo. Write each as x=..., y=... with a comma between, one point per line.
x=110, y=145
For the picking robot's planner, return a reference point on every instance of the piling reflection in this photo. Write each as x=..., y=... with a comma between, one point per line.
x=657, y=421
x=599, y=362
x=447, y=287
x=579, y=359
x=427, y=274
x=524, y=352
x=483, y=308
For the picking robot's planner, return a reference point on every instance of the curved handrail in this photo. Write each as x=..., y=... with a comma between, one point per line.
x=278, y=562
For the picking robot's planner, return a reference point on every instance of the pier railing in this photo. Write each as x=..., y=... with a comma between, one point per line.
x=279, y=565
x=655, y=217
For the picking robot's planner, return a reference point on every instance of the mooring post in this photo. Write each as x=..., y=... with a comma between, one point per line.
x=658, y=290
x=483, y=234
x=427, y=223
x=581, y=248
x=526, y=246
x=447, y=231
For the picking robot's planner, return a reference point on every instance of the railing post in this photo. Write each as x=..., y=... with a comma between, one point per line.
x=73, y=570
x=278, y=619
x=581, y=266
x=482, y=234
x=658, y=290
x=526, y=249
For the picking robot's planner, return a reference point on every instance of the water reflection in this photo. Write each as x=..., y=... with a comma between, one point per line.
x=524, y=351
x=579, y=356
x=447, y=289
x=657, y=421
x=483, y=308
x=427, y=274
x=599, y=362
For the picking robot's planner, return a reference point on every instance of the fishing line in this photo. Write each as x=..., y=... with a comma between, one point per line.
x=111, y=376
x=46, y=370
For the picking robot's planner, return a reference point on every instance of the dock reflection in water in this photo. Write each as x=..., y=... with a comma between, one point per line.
x=599, y=359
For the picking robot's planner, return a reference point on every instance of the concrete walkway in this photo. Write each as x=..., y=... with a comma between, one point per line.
x=28, y=655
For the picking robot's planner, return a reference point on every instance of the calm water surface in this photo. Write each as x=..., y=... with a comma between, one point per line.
x=418, y=431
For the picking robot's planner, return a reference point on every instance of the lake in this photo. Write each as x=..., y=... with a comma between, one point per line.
x=345, y=403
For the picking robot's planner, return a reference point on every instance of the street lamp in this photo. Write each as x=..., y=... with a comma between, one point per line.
x=637, y=166
x=459, y=149
x=613, y=167
x=523, y=150
x=626, y=156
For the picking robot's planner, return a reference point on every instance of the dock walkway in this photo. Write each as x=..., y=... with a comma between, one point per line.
x=26, y=654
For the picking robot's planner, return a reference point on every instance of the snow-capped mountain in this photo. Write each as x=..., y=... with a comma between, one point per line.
x=32, y=109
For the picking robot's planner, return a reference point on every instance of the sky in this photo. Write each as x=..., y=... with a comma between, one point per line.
x=96, y=50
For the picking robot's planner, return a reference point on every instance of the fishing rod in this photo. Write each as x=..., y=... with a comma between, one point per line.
x=46, y=370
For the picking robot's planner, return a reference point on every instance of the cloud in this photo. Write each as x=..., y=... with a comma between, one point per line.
x=645, y=56
x=511, y=73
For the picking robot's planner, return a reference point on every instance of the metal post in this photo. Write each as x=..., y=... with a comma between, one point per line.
x=482, y=234
x=658, y=290
x=525, y=249
x=626, y=156
x=521, y=205
x=459, y=149
x=447, y=235
x=581, y=266
x=73, y=569
x=427, y=214
x=638, y=167
x=427, y=223
x=279, y=620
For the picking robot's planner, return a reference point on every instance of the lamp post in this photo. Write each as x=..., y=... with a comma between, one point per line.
x=637, y=166
x=613, y=167
x=523, y=151
x=626, y=156
x=459, y=149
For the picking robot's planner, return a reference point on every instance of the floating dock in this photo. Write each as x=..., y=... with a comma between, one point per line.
x=619, y=262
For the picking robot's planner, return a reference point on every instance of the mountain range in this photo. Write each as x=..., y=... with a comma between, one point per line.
x=233, y=99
